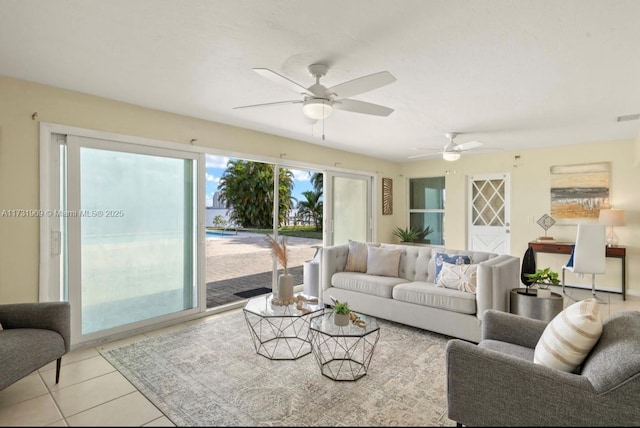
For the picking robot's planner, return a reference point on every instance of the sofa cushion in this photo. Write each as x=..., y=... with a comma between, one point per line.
x=382, y=261
x=427, y=294
x=457, y=259
x=570, y=336
x=461, y=277
x=368, y=284
x=357, y=256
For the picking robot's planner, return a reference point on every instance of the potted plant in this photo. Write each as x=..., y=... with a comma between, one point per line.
x=422, y=234
x=341, y=313
x=406, y=234
x=544, y=278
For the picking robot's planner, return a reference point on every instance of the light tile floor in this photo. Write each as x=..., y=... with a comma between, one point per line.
x=91, y=392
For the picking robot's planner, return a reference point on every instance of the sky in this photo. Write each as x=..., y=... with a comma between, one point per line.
x=217, y=164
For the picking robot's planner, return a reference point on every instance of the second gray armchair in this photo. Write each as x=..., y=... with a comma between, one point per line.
x=496, y=383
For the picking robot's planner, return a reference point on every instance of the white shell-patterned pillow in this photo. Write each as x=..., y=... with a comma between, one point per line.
x=461, y=277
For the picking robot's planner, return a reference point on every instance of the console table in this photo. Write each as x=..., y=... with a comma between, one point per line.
x=618, y=252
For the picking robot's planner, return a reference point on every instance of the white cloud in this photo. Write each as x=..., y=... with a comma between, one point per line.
x=299, y=175
x=210, y=177
x=217, y=161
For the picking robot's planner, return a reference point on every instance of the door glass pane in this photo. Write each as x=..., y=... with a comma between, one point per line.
x=137, y=237
x=350, y=214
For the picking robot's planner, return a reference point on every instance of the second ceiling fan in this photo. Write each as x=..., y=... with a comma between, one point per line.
x=318, y=101
x=451, y=150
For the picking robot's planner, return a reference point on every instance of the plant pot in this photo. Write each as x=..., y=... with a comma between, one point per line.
x=285, y=287
x=341, y=319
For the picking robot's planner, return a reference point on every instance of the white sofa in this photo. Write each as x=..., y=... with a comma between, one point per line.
x=412, y=298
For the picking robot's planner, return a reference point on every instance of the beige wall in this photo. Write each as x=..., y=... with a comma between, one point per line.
x=19, y=168
x=19, y=175
x=530, y=196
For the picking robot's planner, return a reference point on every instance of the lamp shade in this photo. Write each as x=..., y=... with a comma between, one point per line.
x=611, y=217
x=317, y=108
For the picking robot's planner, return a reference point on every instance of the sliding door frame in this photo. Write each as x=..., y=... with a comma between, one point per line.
x=51, y=284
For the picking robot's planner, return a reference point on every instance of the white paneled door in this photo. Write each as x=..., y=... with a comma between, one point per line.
x=489, y=214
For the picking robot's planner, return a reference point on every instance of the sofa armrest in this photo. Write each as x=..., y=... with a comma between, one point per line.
x=496, y=277
x=485, y=387
x=43, y=315
x=334, y=259
x=510, y=328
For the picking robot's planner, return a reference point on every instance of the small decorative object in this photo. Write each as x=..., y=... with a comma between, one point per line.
x=356, y=320
x=545, y=222
x=341, y=313
x=544, y=278
x=284, y=290
x=387, y=196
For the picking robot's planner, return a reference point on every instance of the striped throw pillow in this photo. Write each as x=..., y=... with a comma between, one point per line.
x=570, y=336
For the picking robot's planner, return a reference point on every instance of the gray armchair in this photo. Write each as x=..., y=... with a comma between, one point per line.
x=33, y=335
x=496, y=382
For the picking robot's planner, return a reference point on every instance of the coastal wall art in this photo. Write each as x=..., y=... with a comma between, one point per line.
x=387, y=196
x=578, y=192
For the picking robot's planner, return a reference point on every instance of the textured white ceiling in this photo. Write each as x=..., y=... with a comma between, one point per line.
x=511, y=74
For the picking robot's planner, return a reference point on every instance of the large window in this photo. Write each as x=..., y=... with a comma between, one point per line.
x=426, y=207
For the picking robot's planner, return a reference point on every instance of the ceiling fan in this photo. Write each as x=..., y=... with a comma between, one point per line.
x=318, y=101
x=451, y=150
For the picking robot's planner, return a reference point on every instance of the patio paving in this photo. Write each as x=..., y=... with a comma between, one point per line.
x=243, y=262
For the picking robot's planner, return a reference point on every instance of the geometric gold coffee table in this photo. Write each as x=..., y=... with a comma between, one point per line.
x=280, y=332
x=343, y=353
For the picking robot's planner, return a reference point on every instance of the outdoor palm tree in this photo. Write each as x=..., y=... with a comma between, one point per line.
x=317, y=181
x=246, y=188
x=311, y=207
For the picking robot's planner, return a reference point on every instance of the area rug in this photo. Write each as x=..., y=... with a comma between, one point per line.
x=208, y=374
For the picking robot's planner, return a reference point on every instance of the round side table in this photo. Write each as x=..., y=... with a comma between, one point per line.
x=532, y=306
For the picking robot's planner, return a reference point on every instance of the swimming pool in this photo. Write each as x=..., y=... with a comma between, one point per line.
x=214, y=233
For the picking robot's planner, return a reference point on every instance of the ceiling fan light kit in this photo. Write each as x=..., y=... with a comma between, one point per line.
x=317, y=108
x=451, y=156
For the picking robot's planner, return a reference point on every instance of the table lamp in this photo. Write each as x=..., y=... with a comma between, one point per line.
x=611, y=218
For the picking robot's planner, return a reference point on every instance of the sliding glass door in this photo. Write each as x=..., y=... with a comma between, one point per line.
x=128, y=228
x=350, y=209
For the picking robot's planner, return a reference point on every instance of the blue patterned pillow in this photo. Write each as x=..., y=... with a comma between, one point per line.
x=456, y=259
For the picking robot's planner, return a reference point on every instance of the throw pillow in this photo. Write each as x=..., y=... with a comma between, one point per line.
x=458, y=277
x=456, y=259
x=570, y=336
x=384, y=262
x=357, y=256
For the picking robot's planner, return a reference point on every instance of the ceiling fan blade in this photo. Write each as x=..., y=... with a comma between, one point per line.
x=470, y=145
x=362, y=107
x=362, y=84
x=424, y=155
x=270, y=104
x=282, y=80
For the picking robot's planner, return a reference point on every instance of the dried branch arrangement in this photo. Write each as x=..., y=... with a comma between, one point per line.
x=278, y=250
